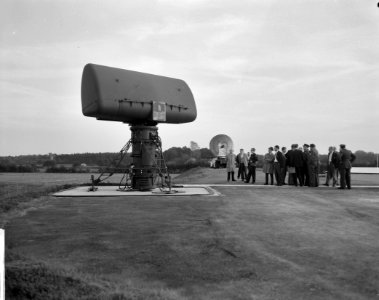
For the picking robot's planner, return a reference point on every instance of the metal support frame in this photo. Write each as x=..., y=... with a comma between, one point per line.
x=148, y=170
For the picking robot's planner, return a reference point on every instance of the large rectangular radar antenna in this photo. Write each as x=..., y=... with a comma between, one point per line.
x=114, y=94
x=142, y=100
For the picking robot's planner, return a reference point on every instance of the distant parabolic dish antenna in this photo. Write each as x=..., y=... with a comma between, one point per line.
x=141, y=100
x=220, y=145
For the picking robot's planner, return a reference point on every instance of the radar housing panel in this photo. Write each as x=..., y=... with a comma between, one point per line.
x=131, y=97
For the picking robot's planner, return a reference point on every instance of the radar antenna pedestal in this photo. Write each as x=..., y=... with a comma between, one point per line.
x=142, y=100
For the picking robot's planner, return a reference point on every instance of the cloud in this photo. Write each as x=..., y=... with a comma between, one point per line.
x=261, y=71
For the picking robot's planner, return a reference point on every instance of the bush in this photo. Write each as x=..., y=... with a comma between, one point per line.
x=182, y=159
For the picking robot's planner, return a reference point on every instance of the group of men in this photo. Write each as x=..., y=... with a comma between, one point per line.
x=301, y=163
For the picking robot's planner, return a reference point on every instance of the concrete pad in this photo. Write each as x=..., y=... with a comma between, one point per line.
x=114, y=191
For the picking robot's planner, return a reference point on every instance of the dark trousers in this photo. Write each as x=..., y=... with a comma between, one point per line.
x=271, y=177
x=278, y=173
x=332, y=174
x=306, y=175
x=299, y=175
x=251, y=174
x=345, y=177
x=232, y=173
x=284, y=174
x=241, y=172
x=292, y=179
x=313, y=176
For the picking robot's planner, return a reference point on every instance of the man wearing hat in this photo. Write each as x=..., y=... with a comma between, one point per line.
x=347, y=158
x=251, y=165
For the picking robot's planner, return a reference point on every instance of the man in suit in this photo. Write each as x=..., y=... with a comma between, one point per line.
x=252, y=165
x=242, y=164
x=332, y=166
x=290, y=164
x=298, y=163
x=347, y=158
x=278, y=166
x=284, y=151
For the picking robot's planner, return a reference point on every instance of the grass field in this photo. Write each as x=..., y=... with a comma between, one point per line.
x=249, y=243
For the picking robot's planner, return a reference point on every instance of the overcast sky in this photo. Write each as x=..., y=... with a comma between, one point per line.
x=262, y=72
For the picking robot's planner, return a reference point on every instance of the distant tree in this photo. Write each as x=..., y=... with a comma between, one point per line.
x=365, y=159
x=205, y=153
x=49, y=163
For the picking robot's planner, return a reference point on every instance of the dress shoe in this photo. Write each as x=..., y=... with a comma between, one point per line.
x=341, y=188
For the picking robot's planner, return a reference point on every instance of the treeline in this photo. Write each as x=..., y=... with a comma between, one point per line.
x=99, y=159
x=181, y=159
x=364, y=159
x=177, y=158
x=5, y=167
x=57, y=163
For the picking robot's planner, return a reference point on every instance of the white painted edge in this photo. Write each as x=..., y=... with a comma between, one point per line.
x=274, y=186
x=82, y=191
x=2, y=266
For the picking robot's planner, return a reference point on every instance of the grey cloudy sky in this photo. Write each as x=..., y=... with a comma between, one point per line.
x=263, y=72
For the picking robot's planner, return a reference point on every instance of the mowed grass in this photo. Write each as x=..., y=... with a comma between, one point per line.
x=18, y=189
x=249, y=243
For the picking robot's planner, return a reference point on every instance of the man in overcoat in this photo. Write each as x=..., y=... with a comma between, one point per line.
x=268, y=165
x=347, y=158
x=332, y=166
x=313, y=165
x=306, y=157
x=230, y=164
